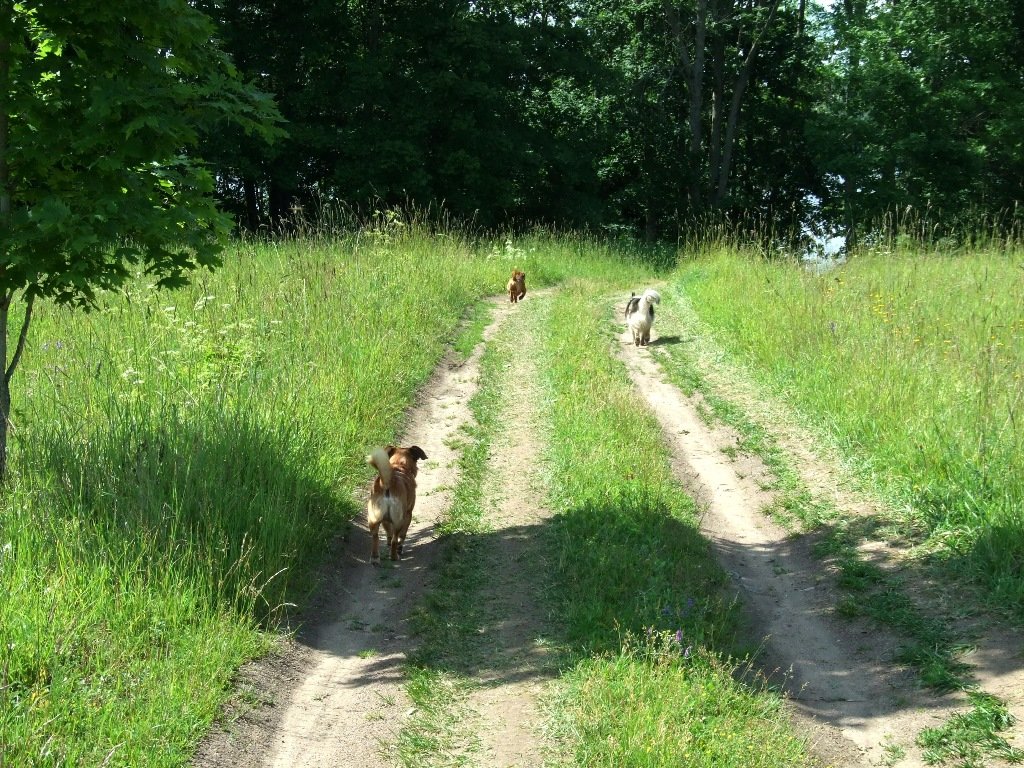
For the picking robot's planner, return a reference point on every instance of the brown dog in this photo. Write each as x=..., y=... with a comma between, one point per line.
x=392, y=497
x=516, y=286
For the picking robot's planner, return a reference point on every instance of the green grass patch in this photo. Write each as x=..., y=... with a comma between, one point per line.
x=971, y=739
x=181, y=461
x=644, y=707
x=911, y=362
x=648, y=680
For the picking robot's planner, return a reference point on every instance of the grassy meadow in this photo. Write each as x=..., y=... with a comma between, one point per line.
x=181, y=460
x=910, y=362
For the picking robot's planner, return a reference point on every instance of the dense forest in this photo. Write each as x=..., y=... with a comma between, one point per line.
x=638, y=116
x=645, y=117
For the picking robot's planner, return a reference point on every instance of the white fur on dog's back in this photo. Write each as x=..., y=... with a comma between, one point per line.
x=387, y=505
x=641, y=318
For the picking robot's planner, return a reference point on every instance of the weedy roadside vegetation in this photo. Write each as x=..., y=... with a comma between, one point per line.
x=804, y=335
x=181, y=461
x=910, y=360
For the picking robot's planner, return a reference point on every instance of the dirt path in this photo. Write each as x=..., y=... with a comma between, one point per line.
x=997, y=660
x=516, y=663
x=839, y=681
x=335, y=697
x=845, y=687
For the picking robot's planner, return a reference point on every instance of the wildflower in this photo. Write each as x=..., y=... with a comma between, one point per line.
x=679, y=636
x=686, y=653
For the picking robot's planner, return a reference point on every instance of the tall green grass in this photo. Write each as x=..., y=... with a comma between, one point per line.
x=912, y=361
x=181, y=461
x=649, y=681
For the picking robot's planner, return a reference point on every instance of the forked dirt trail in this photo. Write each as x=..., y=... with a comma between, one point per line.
x=336, y=699
x=336, y=696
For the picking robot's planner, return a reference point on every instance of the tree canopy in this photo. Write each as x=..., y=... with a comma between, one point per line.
x=641, y=116
x=101, y=108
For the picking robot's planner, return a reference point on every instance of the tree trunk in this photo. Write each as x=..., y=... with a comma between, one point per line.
x=5, y=302
x=5, y=386
x=742, y=80
x=9, y=368
x=722, y=187
x=5, y=192
x=280, y=202
x=717, y=102
x=693, y=67
x=7, y=296
x=854, y=11
x=252, y=206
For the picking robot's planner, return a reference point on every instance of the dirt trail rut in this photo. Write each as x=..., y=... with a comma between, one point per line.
x=336, y=694
x=517, y=663
x=840, y=675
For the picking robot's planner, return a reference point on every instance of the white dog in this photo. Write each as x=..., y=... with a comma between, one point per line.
x=640, y=315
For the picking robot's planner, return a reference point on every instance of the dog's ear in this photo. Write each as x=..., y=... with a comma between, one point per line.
x=416, y=451
x=390, y=449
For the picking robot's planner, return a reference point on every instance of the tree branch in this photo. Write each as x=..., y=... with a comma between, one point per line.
x=742, y=79
x=682, y=52
x=21, y=338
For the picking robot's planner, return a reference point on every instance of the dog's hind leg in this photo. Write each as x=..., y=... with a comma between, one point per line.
x=375, y=543
x=392, y=537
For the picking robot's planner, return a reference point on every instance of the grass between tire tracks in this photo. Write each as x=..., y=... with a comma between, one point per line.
x=648, y=672
x=447, y=620
x=638, y=626
x=932, y=647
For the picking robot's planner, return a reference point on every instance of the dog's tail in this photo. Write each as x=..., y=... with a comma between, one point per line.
x=378, y=459
x=651, y=296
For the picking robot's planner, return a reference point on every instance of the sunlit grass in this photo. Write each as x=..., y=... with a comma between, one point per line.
x=182, y=461
x=650, y=678
x=912, y=362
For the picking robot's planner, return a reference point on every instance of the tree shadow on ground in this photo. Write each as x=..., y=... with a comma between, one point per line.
x=522, y=603
x=232, y=506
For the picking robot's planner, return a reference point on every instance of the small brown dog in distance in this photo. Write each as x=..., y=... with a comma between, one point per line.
x=516, y=286
x=392, y=497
